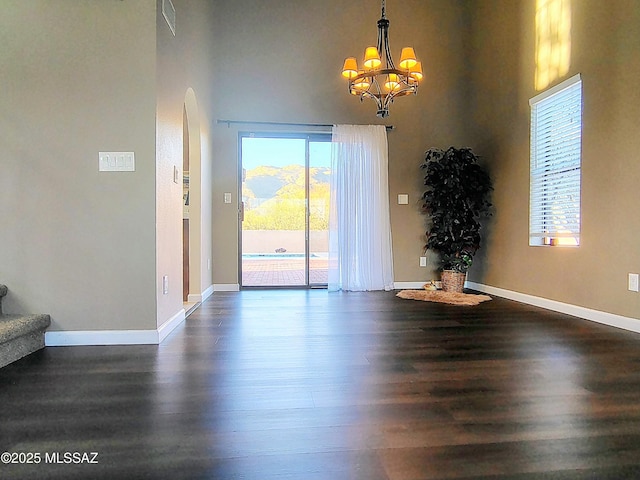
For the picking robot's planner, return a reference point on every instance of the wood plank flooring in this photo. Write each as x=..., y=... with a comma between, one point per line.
x=296, y=384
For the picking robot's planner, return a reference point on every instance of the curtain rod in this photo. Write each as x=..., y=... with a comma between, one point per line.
x=282, y=124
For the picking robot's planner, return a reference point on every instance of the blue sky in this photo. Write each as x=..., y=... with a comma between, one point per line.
x=280, y=152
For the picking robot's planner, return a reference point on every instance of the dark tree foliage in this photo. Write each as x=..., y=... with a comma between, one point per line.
x=457, y=197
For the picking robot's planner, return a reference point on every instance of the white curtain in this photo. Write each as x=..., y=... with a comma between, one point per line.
x=360, y=251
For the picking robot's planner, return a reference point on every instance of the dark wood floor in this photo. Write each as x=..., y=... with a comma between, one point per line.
x=315, y=385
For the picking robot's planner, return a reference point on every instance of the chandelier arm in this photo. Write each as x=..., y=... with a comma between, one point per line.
x=373, y=96
x=380, y=71
x=376, y=96
x=380, y=44
x=383, y=46
x=388, y=99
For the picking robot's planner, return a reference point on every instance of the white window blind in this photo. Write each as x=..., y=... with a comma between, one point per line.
x=556, y=140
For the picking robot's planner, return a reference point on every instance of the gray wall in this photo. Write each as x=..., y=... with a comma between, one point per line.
x=281, y=61
x=78, y=78
x=184, y=72
x=605, y=49
x=479, y=63
x=91, y=248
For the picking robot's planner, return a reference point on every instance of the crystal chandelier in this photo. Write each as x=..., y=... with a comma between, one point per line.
x=379, y=79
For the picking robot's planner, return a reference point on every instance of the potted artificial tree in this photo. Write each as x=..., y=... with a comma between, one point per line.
x=457, y=197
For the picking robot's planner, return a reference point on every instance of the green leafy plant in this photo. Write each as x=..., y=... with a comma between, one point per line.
x=457, y=197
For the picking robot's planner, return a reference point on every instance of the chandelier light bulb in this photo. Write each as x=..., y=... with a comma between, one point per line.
x=392, y=82
x=416, y=71
x=360, y=85
x=372, y=58
x=350, y=68
x=407, y=58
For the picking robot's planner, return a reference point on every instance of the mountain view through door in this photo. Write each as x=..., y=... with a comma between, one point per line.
x=285, y=194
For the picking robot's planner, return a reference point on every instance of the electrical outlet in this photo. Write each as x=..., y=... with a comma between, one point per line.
x=633, y=282
x=423, y=261
x=165, y=284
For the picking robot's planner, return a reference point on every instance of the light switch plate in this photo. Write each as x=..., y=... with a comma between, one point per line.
x=227, y=197
x=403, y=199
x=116, y=162
x=176, y=174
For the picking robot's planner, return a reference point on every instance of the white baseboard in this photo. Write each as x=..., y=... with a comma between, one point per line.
x=170, y=325
x=207, y=293
x=194, y=298
x=101, y=337
x=226, y=287
x=611, y=319
x=407, y=285
x=114, y=337
x=200, y=297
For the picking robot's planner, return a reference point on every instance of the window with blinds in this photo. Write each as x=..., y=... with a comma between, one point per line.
x=556, y=140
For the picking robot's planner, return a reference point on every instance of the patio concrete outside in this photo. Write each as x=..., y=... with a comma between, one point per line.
x=284, y=271
x=263, y=266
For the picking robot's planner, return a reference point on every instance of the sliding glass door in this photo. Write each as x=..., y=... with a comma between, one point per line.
x=319, y=172
x=285, y=209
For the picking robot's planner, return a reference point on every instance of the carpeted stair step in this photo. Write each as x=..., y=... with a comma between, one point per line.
x=3, y=292
x=20, y=334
